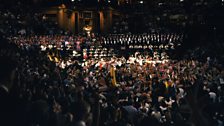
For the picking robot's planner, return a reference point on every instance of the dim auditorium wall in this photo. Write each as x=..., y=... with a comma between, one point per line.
x=75, y=20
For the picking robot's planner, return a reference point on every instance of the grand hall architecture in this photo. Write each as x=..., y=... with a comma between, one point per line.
x=111, y=63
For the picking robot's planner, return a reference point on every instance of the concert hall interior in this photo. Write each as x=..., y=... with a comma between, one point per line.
x=111, y=63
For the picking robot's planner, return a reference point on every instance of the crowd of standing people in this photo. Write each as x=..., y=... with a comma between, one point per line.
x=43, y=84
x=108, y=91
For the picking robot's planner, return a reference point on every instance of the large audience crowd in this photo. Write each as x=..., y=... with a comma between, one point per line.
x=116, y=90
x=43, y=83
